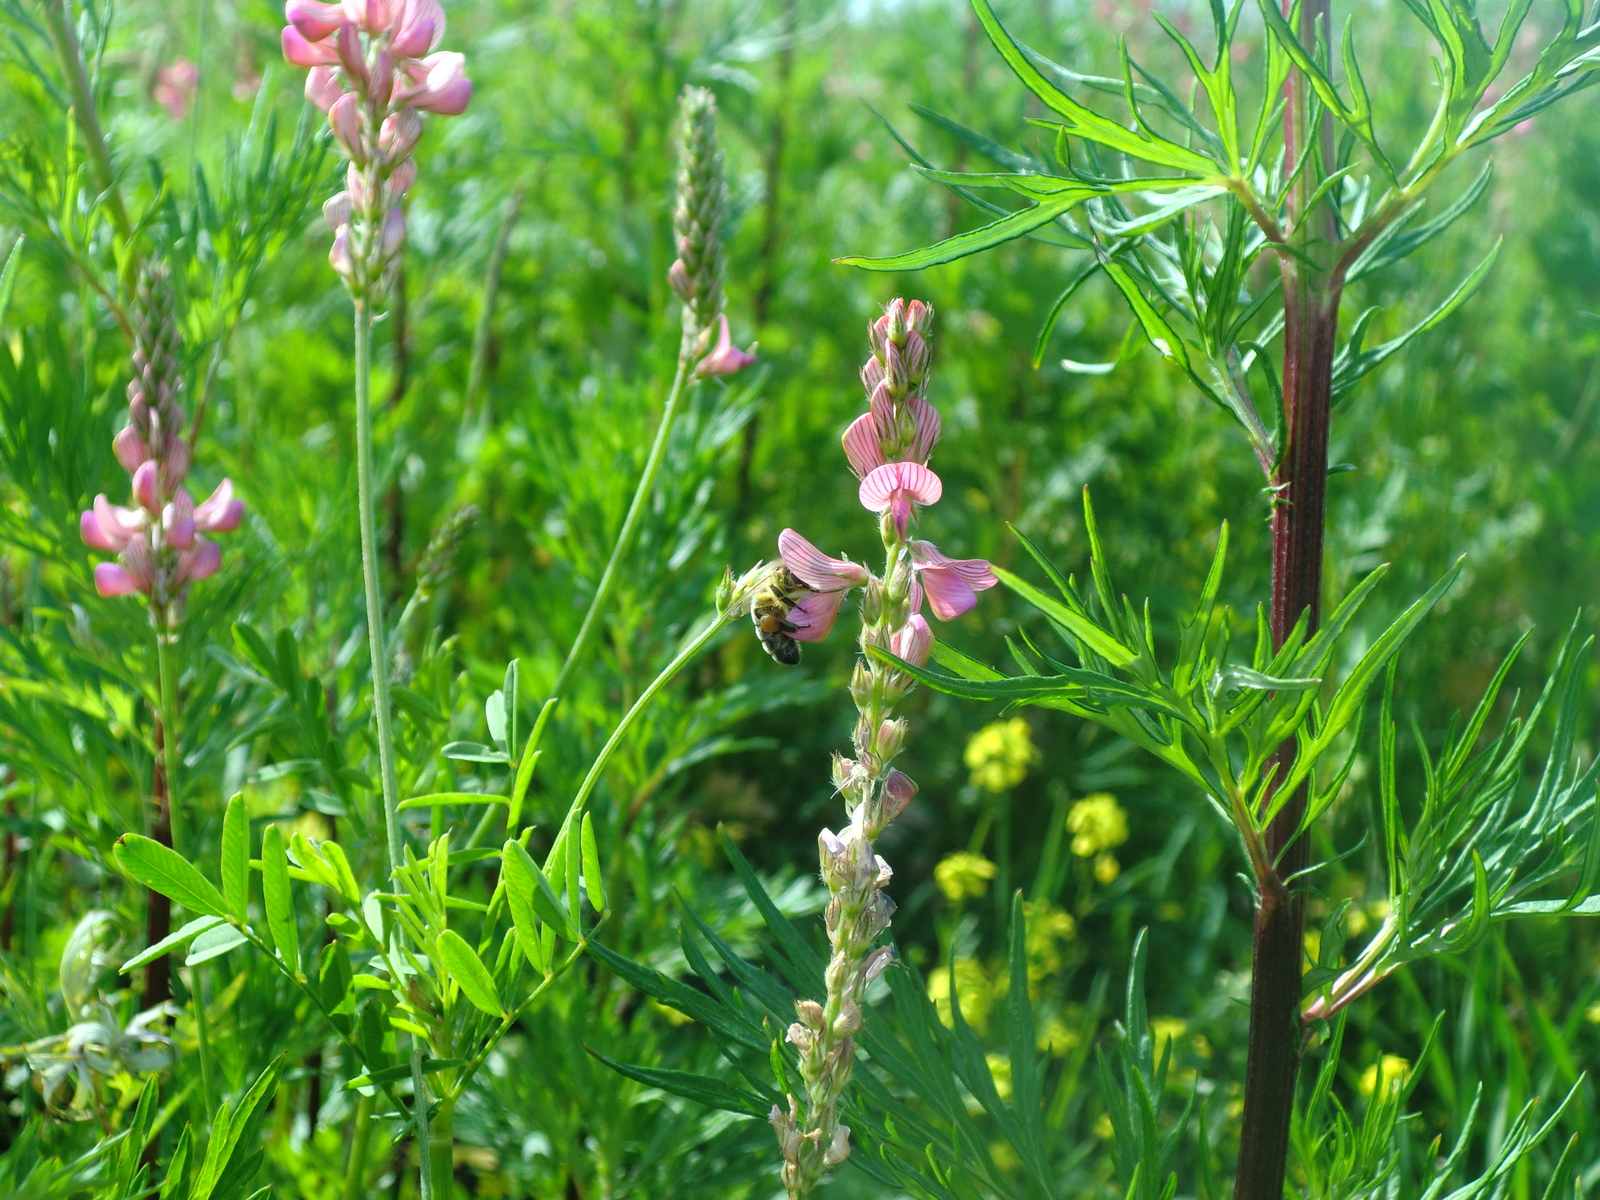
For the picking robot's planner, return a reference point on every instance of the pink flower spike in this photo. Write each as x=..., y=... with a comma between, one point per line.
x=862, y=446
x=112, y=580
x=314, y=21
x=913, y=641
x=895, y=487
x=202, y=562
x=303, y=53
x=322, y=88
x=725, y=358
x=813, y=617
x=817, y=570
x=146, y=487
x=130, y=449
x=219, y=512
x=952, y=584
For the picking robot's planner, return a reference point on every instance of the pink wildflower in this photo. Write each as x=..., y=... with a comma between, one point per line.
x=952, y=584
x=725, y=358
x=896, y=487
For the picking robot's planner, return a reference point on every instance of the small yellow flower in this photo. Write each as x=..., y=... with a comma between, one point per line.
x=1057, y=1037
x=963, y=876
x=1389, y=1073
x=1106, y=868
x=973, y=989
x=1049, y=928
x=1097, y=823
x=1592, y=1014
x=1000, y=754
x=1166, y=1029
x=1103, y=1129
x=1000, y=1072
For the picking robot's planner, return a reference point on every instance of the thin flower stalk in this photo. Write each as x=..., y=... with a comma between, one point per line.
x=374, y=67
x=888, y=448
x=161, y=551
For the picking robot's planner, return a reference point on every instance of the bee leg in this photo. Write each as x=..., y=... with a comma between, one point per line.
x=788, y=627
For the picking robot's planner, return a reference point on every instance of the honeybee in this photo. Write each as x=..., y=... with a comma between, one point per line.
x=770, y=609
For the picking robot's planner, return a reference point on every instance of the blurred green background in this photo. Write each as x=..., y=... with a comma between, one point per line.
x=1480, y=440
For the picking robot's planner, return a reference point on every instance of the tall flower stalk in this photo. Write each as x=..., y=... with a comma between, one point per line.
x=888, y=448
x=375, y=68
x=160, y=551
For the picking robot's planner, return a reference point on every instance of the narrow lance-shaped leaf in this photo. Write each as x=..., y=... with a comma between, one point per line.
x=523, y=877
x=464, y=966
x=162, y=869
x=592, y=880
x=279, y=900
x=235, y=865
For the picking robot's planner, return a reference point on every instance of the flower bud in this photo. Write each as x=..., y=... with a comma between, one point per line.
x=801, y=1038
x=322, y=87
x=339, y=254
x=147, y=487
x=849, y=1021
x=401, y=179
x=394, y=233
x=891, y=739
x=345, y=118
x=129, y=448
x=336, y=211
x=861, y=684
x=898, y=792
x=810, y=1014
x=399, y=134
x=844, y=769
x=893, y=321
x=872, y=602
x=678, y=279
x=919, y=318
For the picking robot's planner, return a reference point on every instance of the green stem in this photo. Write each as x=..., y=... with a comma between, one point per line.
x=166, y=679
x=641, y=494
x=70, y=54
x=593, y=777
x=380, y=680
x=355, y=1171
x=438, y=1158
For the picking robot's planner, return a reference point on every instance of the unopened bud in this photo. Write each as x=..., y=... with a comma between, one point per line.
x=401, y=179
x=872, y=602
x=898, y=792
x=336, y=211
x=919, y=318
x=844, y=772
x=893, y=321
x=810, y=1014
x=399, y=134
x=394, y=233
x=345, y=118
x=850, y=1020
x=725, y=590
x=861, y=684
x=891, y=739
x=916, y=357
x=678, y=279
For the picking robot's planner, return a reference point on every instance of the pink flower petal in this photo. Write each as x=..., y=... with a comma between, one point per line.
x=929, y=426
x=895, y=487
x=116, y=524
x=147, y=487
x=112, y=580
x=322, y=88
x=93, y=536
x=725, y=358
x=951, y=584
x=813, y=617
x=202, y=562
x=129, y=448
x=816, y=569
x=421, y=28
x=303, y=53
x=913, y=640
x=314, y=21
x=345, y=117
x=861, y=445
x=347, y=44
x=177, y=520
x=219, y=512
x=136, y=560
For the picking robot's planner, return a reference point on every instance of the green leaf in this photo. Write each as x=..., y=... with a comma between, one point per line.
x=162, y=869
x=231, y=1155
x=148, y=955
x=985, y=237
x=8, y=277
x=430, y=1066
x=235, y=866
x=592, y=880
x=1081, y=626
x=279, y=899
x=702, y=1089
x=526, y=882
x=464, y=966
x=440, y=799
x=214, y=943
x=474, y=752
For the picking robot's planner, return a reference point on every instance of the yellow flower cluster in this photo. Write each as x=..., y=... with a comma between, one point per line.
x=963, y=876
x=1049, y=929
x=1000, y=754
x=1387, y=1075
x=1097, y=824
x=973, y=990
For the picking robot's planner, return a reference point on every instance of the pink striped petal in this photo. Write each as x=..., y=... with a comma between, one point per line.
x=951, y=584
x=898, y=792
x=219, y=512
x=861, y=445
x=300, y=52
x=929, y=427
x=93, y=536
x=896, y=486
x=202, y=562
x=314, y=21
x=112, y=580
x=813, y=617
x=913, y=640
x=147, y=487
x=137, y=562
x=816, y=569
x=129, y=448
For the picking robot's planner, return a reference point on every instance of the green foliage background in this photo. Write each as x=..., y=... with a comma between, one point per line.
x=1481, y=439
